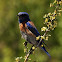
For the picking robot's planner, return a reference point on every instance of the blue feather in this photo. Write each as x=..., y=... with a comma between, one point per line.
x=32, y=29
x=35, y=32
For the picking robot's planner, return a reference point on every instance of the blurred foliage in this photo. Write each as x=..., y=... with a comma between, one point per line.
x=11, y=43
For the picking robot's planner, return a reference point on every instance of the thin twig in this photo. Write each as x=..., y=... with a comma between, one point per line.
x=27, y=56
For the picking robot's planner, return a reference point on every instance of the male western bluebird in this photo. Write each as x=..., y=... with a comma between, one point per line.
x=28, y=30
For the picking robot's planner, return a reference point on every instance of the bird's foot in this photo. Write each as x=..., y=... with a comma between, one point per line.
x=25, y=43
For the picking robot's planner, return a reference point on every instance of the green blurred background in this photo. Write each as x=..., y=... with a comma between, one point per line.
x=11, y=43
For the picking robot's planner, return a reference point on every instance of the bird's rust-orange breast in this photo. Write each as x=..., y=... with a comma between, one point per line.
x=23, y=28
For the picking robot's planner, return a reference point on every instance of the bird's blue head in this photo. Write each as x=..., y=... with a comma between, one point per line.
x=23, y=16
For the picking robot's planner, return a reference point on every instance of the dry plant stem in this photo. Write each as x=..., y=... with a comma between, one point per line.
x=30, y=52
x=43, y=36
x=46, y=32
x=27, y=58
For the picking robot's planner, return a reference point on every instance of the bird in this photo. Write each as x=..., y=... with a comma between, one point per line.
x=29, y=31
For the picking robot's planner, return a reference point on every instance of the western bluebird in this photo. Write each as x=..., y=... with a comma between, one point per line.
x=28, y=30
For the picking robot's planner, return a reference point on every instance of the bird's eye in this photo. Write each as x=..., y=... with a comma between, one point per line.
x=20, y=16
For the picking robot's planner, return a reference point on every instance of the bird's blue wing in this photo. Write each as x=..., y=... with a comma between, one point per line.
x=35, y=32
x=32, y=29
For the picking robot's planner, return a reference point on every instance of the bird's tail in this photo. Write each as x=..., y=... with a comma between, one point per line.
x=43, y=48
